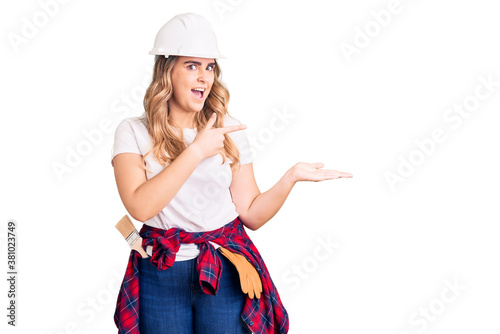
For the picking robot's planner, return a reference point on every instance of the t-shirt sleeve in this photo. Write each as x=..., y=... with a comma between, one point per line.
x=246, y=156
x=241, y=140
x=125, y=140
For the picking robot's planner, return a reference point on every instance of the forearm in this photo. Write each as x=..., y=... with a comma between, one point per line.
x=268, y=203
x=153, y=195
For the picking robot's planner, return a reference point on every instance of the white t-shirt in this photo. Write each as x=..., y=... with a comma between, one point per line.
x=204, y=201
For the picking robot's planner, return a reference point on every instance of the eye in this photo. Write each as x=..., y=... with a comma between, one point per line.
x=192, y=67
x=210, y=67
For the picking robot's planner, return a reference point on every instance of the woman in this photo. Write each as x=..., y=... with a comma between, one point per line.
x=185, y=169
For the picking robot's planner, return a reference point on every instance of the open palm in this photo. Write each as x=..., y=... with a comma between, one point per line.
x=304, y=171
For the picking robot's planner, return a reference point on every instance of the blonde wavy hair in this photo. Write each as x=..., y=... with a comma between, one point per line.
x=164, y=139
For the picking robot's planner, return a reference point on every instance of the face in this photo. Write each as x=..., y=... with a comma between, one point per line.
x=192, y=80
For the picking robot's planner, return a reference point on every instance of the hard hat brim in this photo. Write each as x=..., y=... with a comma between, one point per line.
x=167, y=54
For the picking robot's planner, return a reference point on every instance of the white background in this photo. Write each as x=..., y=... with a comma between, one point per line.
x=397, y=247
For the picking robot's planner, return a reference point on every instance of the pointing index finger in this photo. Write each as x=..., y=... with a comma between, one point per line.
x=233, y=128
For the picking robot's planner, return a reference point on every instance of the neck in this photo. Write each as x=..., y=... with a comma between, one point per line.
x=182, y=119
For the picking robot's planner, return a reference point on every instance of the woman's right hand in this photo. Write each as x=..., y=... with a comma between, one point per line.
x=210, y=141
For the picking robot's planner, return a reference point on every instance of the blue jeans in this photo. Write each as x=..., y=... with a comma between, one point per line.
x=171, y=300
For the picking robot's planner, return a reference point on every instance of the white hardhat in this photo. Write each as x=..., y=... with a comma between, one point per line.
x=186, y=34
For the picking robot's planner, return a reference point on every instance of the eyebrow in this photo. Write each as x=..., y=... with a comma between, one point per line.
x=197, y=63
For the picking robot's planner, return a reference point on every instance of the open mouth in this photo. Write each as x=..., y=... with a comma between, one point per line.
x=198, y=93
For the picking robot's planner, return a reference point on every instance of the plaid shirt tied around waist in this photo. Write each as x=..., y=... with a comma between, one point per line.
x=266, y=315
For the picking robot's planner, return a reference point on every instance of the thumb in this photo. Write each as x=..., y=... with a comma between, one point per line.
x=211, y=121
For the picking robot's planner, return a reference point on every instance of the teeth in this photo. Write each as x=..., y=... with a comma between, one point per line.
x=199, y=89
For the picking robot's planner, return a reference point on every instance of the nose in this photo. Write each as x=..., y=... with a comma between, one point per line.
x=202, y=76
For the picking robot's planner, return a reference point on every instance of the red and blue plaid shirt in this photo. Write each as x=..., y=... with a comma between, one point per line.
x=266, y=315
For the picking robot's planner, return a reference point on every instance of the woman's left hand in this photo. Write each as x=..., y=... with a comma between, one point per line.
x=304, y=171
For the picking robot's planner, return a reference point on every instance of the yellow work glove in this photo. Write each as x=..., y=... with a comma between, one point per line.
x=249, y=277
